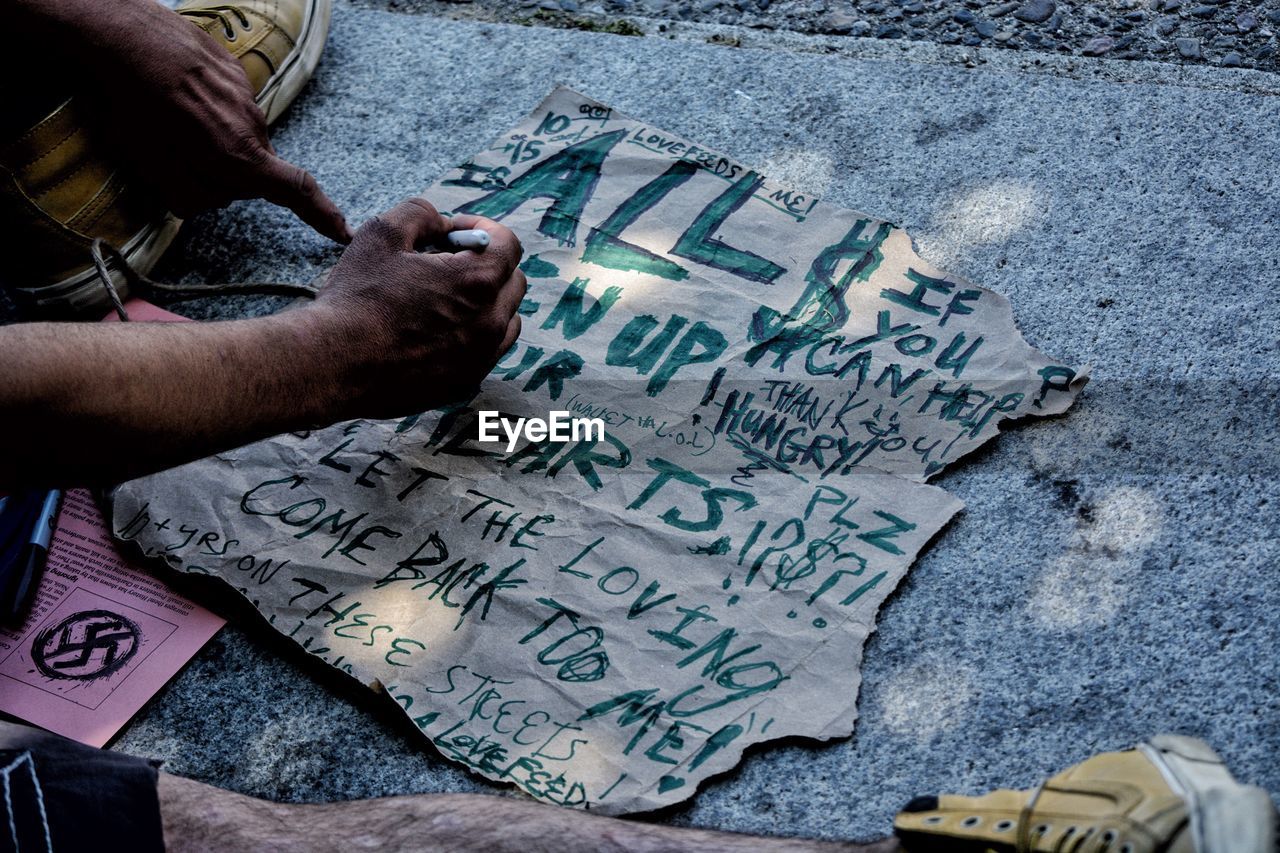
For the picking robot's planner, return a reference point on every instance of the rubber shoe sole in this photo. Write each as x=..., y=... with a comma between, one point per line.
x=292, y=76
x=82, y=295
x=1226, y=817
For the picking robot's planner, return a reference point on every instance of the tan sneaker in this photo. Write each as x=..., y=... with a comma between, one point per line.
x=60, y=189
x=1171, y=794
x=278, y=42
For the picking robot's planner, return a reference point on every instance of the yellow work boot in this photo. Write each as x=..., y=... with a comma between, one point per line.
x=60, y=187
x=1172, y=794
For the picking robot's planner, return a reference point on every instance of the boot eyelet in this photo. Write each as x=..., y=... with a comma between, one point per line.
x=1126, y=848
x=971, y=821
x=1043, y=829
x=1004, y=826
x=933, y=820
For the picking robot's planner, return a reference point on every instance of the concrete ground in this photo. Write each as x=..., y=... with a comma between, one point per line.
x=1113, y=575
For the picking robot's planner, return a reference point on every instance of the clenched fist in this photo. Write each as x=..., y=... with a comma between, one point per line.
x=415, y=330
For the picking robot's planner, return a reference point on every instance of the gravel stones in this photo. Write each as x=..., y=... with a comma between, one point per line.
x=1098, y=46
x=1188, y=48
x=1035, y=11
x=839, y=23
x=1247, y=31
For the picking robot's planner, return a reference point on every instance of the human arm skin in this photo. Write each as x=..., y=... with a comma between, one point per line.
x=394, y=332
x=177, y=106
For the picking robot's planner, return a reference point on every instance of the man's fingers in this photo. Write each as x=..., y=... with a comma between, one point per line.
x=513, y=333
x=411, y=225
x=294, y=188
x=503, y=247
x=465, y=221
x=511, y=295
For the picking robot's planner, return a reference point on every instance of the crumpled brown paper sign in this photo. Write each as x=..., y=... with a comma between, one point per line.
x=607, y=622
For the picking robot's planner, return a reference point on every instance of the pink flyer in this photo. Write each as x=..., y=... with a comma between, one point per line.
x=101, y=637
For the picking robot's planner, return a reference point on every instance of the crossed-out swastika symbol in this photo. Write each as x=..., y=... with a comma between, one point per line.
x=85, y=646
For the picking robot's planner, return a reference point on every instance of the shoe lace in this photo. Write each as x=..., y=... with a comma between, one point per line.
x=139, y=283
x=1025, y=843
x=221, y=13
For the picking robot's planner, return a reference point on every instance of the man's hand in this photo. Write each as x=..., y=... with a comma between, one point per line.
x=179, y=108
x=423, y=329
x=394, y=332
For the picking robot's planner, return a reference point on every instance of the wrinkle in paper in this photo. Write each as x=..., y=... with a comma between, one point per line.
x=605, y=624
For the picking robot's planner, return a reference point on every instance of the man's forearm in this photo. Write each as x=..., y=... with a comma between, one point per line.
x=88, y=403
x=394, y=331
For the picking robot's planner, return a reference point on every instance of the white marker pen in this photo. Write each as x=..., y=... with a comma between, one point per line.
x=470, y=239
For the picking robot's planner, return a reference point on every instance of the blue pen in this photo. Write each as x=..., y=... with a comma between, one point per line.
x=23, y=573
